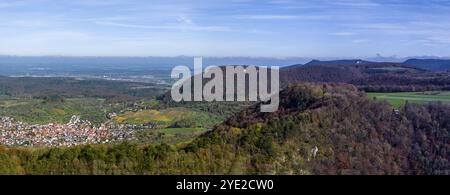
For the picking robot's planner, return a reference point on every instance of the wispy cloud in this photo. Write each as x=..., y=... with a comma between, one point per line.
x=278, y=27
x=181, y=27
x=185, y=20
x=25, y=23
x=355, y=3
x=343, y=33
x=12, y=4
x=268, y=17
x=360, y=41
x=282, y=17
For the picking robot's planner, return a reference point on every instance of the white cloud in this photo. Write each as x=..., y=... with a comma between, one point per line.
x=181, y=27
x=282, y=17
x=185, y=20
x=360, y=41
x=11, y=4
x=355, y=3
x=268, y=17
x=25, y=23
x=343, y=33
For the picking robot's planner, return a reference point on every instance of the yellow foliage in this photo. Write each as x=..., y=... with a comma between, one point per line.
x=236, y=131
x=59, y=111
x=120, y=119
x=258, y=127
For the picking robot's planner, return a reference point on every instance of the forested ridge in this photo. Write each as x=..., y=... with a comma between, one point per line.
x=368, y=76
x=319, y=129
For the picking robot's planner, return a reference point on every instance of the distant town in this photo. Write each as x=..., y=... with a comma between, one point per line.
x=75, y=132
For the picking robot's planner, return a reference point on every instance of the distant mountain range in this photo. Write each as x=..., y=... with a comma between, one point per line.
x=430, y=64
x=337, y=62
x=368, y=76
x=426, y=64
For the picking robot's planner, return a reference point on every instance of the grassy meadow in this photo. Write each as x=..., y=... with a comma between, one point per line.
x=399, y=99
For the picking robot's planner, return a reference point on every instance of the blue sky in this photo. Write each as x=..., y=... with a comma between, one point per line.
x=272, y=28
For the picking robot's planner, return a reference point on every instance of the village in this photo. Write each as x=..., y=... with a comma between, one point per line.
x=75, y=132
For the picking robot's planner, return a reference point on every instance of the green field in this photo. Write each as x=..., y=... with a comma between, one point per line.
x=391, y=69
x=399, y=99
x=179, y=116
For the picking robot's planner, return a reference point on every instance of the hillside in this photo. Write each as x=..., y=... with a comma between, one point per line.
x=430, y=64
x=353, y=134
x=425, y=64
x=338, y=62
x=319, y=129
x=368, y=76
x=318, y=73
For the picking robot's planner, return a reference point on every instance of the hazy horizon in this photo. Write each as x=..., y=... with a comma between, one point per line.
x=322, y=58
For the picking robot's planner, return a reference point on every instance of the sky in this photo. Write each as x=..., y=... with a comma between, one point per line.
x=268, y=28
